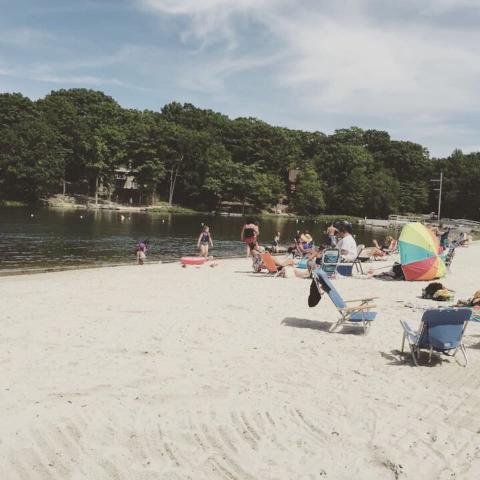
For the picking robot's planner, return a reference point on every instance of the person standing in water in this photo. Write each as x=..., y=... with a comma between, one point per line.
x=204, y=241
x=276, y=243
x=141, y=251
x=249, y=235
x=331, y=238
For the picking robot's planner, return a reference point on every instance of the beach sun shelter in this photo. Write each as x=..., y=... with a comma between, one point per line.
x=419, y=253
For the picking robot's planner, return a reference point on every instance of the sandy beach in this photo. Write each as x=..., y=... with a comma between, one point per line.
x=162, y=372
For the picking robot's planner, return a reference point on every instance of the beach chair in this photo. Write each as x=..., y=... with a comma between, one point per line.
x=270, y=265
x=450, y=253
x=330, y=261
x=359, y=259
x=441, y=330
x=356, y=314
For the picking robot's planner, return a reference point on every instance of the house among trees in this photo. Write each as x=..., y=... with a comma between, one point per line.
x=293, y=179
x=126, y=188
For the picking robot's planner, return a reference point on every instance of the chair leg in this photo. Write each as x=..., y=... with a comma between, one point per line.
x=464, y=353
x=403, y=341
x=430, y=355
x=366, y=327
x=336, y=325
x=414, y=350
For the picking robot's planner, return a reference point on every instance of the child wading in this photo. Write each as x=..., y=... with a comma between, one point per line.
x=204, y=240
x=141, y=251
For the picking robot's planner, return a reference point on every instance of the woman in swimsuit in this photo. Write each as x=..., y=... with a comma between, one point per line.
x=249, y=235
x=204, y=240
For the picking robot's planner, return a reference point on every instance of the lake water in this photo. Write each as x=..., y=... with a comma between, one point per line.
x=59, y=238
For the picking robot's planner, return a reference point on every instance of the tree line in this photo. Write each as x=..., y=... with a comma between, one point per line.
x=199, y=158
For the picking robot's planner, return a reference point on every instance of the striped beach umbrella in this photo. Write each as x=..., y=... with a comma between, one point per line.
x=419, y=253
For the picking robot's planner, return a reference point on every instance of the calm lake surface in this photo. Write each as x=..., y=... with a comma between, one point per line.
x=60, y=238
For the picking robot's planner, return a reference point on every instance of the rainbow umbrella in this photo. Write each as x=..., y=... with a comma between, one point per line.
x=419, y=253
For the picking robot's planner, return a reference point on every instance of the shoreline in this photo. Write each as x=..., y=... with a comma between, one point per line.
x=67, y=268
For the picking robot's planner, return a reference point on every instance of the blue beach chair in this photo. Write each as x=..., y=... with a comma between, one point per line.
x=330, y=261
x=441, y=330
x=357, y=314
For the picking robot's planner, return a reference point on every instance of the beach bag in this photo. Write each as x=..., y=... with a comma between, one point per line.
x=437, y=291
x=430, y=290
x=315, y=295
x=442, y=295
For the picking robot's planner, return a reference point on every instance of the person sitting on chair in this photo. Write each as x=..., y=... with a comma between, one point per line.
x=386, y=248
x=306, y=242
x=347, y=244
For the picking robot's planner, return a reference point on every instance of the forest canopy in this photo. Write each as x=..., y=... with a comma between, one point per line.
x=78, y=139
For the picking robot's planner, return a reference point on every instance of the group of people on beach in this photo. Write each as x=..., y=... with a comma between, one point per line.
x=337, y=235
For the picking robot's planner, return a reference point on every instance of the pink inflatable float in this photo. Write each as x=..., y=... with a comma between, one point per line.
x=192, y=260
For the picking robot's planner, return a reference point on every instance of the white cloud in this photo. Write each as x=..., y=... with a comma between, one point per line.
x=48, y=74
x=442, y=6
x=342, y=56
x=25, y=38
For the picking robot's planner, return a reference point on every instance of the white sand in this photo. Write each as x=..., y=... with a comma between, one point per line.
x=159, y=372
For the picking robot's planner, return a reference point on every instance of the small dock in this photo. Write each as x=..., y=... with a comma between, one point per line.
x=396, y=221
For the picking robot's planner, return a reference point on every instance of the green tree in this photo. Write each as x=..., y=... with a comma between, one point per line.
x=308, y=198
x=30, y=158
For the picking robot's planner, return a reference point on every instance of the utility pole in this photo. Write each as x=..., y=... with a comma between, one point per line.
x=439, y=190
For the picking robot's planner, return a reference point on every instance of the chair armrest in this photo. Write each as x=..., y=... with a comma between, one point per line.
x=410, y=334
x=361, y=299
x=359, y=308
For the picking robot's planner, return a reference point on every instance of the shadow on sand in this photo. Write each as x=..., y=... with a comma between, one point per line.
x=304, y=323
x=320, y=325
x=398, y=358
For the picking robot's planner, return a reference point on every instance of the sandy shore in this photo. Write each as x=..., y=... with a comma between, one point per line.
x=159, y=372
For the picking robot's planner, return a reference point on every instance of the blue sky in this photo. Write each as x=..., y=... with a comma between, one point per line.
x=410, y=67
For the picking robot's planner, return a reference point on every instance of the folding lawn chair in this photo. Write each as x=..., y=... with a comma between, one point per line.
x=270, y=265
x=356, y=314
x=359, y=259
x=448, y=256
x=330, y=261
x=441, y=330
